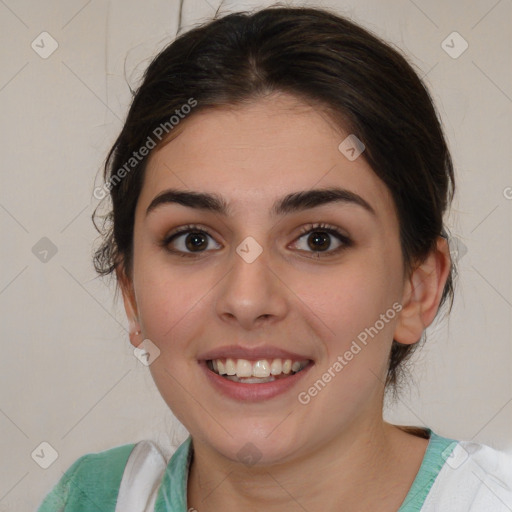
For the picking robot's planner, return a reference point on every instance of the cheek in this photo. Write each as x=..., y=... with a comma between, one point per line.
x=355, y=303
x=171, y=302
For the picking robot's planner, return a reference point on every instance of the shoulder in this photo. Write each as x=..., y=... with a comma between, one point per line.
x=91, y=483
x=475, y=477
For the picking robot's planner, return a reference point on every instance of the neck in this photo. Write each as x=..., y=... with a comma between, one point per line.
x=369, y=466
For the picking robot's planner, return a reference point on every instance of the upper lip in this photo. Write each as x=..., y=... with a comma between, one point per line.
x=240, y=352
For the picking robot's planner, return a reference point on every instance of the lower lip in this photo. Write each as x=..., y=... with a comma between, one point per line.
x=253, y=392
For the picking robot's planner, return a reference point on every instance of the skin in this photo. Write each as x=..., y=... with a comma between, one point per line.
x=337, y=448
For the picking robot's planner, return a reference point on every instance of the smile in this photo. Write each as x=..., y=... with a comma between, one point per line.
x=256, y=372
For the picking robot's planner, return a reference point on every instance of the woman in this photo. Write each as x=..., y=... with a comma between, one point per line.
x=278, y=192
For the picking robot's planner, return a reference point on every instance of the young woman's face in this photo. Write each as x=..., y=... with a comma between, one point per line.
x=250, y=284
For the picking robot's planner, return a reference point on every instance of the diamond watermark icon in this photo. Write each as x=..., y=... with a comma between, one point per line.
x=44, y=45
x=454, y=455
x=249, y=454
x=249, y=249
x=457, y=249
x=146, y=352
x=44, y=455
x=351, y=147
x=44, y=250
x=454, y=45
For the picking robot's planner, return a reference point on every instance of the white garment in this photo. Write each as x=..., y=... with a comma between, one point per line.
x=475, y=478
x=141, y=478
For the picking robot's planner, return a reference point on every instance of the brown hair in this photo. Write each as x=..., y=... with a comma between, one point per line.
x=362, y=83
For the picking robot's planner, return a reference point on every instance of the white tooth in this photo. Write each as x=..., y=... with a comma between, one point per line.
x=220, y=367
x=295, y=366
x=243, y=368
x=276, y=367
x=261, y=368
x=215, y=367
x=230, y=367
x=287, y=366
x=255, y=380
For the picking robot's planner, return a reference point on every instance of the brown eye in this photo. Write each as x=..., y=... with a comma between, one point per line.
x=196, y=241
x=318, y=239
x=187, y=241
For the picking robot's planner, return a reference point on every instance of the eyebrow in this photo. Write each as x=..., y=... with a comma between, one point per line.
x=291, y=203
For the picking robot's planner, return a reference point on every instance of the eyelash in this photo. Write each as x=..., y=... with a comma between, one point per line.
x=310, y=228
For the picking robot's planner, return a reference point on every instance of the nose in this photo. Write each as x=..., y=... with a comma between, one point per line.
x=252, y=294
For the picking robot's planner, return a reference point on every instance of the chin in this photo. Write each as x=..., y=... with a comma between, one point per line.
x=254, y=445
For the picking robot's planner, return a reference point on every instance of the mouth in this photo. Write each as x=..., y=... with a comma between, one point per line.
x=258, y=371
x=253, y=374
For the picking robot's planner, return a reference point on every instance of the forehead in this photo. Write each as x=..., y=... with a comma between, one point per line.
x=255, y=153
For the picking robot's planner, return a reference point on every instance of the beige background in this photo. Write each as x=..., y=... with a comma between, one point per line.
x=69, y=376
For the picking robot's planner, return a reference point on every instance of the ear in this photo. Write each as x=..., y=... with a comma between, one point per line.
x=422, y=294
x=130, y=304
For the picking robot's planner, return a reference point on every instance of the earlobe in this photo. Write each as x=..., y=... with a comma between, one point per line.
x=130, y=305
x=422, y=294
